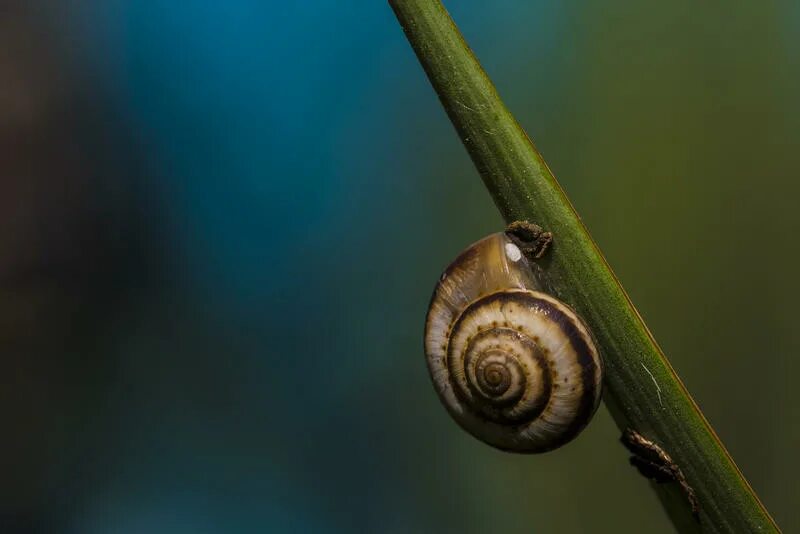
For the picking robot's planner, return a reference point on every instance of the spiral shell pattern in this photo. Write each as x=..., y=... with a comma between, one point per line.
x=514, y=366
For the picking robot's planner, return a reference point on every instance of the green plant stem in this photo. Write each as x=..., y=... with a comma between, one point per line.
x=641, y=389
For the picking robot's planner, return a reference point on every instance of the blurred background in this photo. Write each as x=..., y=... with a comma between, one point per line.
x=221, y=222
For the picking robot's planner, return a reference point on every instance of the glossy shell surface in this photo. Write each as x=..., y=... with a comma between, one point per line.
x=514, y=366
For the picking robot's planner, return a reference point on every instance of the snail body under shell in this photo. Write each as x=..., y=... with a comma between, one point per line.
x=514, y=366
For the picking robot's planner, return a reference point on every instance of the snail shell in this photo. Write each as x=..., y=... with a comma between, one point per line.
x=514, y=366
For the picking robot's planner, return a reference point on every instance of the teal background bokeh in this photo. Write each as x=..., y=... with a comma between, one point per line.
x=222, y=222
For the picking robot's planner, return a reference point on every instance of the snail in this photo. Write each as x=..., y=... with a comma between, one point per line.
x=515, y=367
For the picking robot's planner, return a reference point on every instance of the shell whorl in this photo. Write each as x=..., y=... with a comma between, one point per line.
x=514, y=366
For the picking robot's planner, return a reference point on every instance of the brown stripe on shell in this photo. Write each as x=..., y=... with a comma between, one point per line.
x=497, y=411
x=587, y=359
x=580, y=342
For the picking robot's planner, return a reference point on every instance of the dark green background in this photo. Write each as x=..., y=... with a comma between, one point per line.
x=221, y=225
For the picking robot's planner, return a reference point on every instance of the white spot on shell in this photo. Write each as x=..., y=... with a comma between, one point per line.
x=513, y=252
